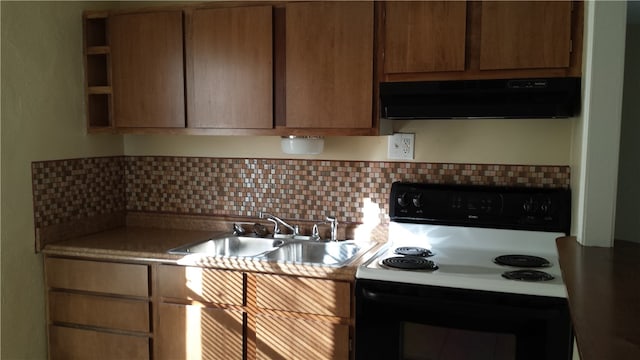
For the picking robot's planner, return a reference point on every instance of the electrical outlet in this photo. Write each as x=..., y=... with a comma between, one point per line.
x=401, y=146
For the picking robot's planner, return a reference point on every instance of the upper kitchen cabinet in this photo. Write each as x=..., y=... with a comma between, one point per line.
x=329, y=68
x=424, y=36
x=525, y=35
x=479, y=39
x=230, y=68
x=147, y=69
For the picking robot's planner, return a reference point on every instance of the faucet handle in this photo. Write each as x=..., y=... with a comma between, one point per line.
x=238, y=229
x=334, y=227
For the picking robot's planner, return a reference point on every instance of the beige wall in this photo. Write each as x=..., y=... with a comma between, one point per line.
x=42, y=118
x=532, y=142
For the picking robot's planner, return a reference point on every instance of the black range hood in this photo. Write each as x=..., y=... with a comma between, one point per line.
x=465, y=99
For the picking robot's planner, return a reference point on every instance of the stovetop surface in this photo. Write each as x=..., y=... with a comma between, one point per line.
x=464, y=257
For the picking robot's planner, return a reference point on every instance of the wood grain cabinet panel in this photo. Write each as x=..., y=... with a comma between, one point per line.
x=194, y=332
x=200, y=284
x=424, y=36
x=95, y=276
x=525, y=34
x=99, y=311
x=329, y=64
x=230, y=68
x=71, y=343
x=287, y=338
x=304, y=295
x=147, y=69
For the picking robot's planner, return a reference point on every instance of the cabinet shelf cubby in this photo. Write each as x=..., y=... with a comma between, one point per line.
x=97, y=61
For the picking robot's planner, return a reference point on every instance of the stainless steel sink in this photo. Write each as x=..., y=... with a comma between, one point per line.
x=315, y=253
x=230, y=246
x=287, y=250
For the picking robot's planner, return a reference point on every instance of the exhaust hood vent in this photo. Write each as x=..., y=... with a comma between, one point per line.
x=468, y=99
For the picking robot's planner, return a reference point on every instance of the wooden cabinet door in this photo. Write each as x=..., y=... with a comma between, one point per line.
x=194, y=332
x=525, y=34
x=147, y=69
x=329, y=64
x=230, y=68
x=290, y=338
x=424, y=36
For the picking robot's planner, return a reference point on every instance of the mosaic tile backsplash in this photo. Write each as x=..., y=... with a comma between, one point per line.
x=67, y=190
x=293, y=189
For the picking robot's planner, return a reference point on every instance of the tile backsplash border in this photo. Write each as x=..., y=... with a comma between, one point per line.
x=68, y=190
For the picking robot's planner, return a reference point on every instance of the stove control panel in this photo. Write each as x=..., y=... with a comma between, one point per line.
x=485, y=206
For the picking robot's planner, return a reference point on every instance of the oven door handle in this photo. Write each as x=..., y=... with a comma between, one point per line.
x=460, y=307
x=384, y=297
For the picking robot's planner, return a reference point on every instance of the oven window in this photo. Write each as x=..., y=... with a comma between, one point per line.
x=426, y=342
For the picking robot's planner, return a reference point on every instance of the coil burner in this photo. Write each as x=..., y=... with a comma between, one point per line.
x=525, y=261
x=409, y=263
x=527, y=275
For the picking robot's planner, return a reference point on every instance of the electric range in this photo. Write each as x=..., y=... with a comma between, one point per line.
x=440, y=288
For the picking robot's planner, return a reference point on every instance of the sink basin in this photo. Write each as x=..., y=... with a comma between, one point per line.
x=230, y=246
x=315, y=253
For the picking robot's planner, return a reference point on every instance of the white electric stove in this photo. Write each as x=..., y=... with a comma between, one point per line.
x=465, y=258
x=468, y=272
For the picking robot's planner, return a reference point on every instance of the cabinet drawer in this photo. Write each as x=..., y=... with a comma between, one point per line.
x=285, y=338
x=70, y=343
x=313, y=296
x=104, y=277
x=121, y=314
x=199, y=284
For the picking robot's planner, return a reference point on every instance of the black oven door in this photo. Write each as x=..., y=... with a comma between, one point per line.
x=416, y=322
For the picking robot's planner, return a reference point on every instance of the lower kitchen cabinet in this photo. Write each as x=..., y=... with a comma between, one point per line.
x=296, y=338
x=97, y=310
x=118, y=310
x=197, y=332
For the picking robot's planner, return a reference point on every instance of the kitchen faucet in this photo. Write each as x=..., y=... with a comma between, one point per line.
x=295, y=229
x=334, y=227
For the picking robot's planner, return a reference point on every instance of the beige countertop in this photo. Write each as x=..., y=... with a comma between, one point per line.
x=148, y=244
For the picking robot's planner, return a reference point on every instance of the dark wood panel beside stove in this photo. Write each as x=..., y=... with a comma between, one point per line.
x=604, y=297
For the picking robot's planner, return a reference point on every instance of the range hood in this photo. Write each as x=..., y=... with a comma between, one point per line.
x=504, y=98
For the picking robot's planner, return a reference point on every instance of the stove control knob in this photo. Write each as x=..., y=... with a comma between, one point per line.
x=417, y=200
x=403, y=200
x=528, y=206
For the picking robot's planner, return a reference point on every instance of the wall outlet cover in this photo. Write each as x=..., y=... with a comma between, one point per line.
x=401, y=146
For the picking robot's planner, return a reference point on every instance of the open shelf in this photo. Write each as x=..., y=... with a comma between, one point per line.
x=97, y=64
x=98, y=110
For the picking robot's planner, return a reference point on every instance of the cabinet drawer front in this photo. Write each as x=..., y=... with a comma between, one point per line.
x=104, y=277
x=285, y=338
x=313, y=296
x=70, y=343
x=194, y=332
x=121, y=314
x=205, y=285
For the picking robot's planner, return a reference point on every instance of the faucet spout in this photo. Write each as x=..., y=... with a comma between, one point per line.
x=295, y=230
